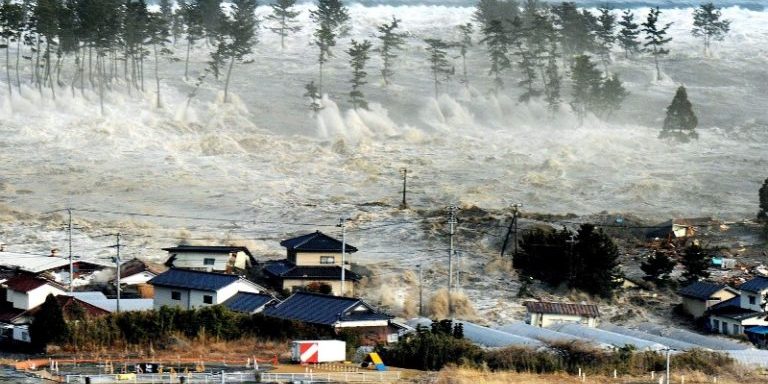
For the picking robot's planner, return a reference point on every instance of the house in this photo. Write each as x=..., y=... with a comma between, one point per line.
x=33, y=264
x=209, y=258
x=544, y=314
x=753, y=293
x=28, y=291
x=699, y=296
x=339, y=314
x=730, y=318
x=137, y=271
x=250, y=303
x=681, y=229
x=314, y=259
x=189, y=289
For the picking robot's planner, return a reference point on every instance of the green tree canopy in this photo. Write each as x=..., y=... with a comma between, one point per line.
x=680, y=121
x=696, y=262
x=658, y=267
x=49, y=325
x=708, y=25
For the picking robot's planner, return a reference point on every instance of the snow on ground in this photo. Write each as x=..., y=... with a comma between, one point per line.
x=264, y=162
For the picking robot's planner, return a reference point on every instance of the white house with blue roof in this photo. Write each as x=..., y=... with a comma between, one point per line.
x=748, y=309
x=188, y=289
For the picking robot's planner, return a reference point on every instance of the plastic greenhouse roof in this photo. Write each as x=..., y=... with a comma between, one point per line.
x=607, y=337
x=485, y=336
x=711, y=342
x=670, y=342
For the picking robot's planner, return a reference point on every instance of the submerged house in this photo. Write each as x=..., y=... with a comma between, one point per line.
x=313, y=261
x=210, y=258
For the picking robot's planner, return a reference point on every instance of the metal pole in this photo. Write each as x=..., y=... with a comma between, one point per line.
x=451, y=221
x=71, y=267
x=421, y=291
x=117, y=262
x=343, y=253
x=404, y=204
x=515, y=211
x=668, y=353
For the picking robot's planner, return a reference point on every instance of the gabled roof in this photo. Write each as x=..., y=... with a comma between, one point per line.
x=316, y=242
x=209, y=249
x=8, y=315
x=286, y=270
x=248, y=302
x=135, y=266
x=732, y=302
x=703, y=290
x=735, y=312
x=315, y=308
x=589, y=310
x=188, y=279
x=755, y=285
x=26, y=283
x=91, y=310
x=31, y=263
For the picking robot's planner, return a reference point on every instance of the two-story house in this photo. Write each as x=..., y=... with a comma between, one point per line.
x=209, y=258
x=731, y=317
x=190, y=289
x=699, y=296
x=313, y=261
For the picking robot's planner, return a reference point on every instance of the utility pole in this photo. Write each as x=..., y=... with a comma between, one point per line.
x=512, y=228
x=515, y=214
x=117, y=262
x=343, y=226
x=421, y=291
x=69, y=239
x=451, y=222
x=404, y=171
x=669, y=350
x=458, y=271
x=572, y=267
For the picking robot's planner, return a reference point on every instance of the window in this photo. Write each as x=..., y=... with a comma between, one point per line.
x=208, y=261
x=327, y=260
x=752, y=300
x=175, y=295
x=736, y=329
x=715, y=324
x=725, y=328
x=207, y=299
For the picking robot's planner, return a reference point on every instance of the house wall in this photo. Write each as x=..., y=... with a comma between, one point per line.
x=349, y=285
x=758, y=300
x=716, y=324
x=312, y=258
x=138, y=278
x=33, y=298
x=196, y=261
x=697, y=307
x=546, y=319
x=163, y=297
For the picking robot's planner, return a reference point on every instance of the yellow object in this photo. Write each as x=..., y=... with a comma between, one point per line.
x=375, y=358
x=126, y=376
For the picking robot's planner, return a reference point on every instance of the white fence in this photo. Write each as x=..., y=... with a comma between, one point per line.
x=331, y=377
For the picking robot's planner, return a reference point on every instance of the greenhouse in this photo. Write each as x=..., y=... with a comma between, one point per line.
x=606, y=337
x=670, y=342
x=711, y=342
x=485, y=336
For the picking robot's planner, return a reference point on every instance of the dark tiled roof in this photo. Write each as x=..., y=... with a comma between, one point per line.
x=26, y=283
x=8, y=315
x=134, y=266
x=755, y=285
x=701, y=290
x=732, y=302
x=736, y=313
x=316, y=242
x=322, y=309
x=247, y=302
x=209, y=248
x=188, y=279
x=562, y=308
x=286, y=270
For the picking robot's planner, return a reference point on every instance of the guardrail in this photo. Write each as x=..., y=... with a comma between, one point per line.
x=159, y=378
x=331, y=377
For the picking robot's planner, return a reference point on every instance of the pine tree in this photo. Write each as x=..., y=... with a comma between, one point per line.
x=212, y=18
x=605, y=33
x=763, y=195
x=177, y=27
x=596, y=264
x=438, y=61
x=391, y=41
x=708, y=25
x=610, y=96
x=11, y=23
x=314, y=97
x=134, y=33
x=283, y=19
x=331, y=18
x=655, y=37
x=553, y=79
x=241, y=31
x=158, y=36
x=49, y=325
x=358, y=57
x=585, y=83
x=696, y=262
x=575, y=29
x=498, y=42
x=658, y=267
x=629, y=33
x=193, y=19
x=680, y=121
x=465, y=42
x=166, y=13
x=526, y=62
x=46, y=16
x=487, y=11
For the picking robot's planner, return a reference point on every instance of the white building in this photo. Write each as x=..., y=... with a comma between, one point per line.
x=209, y=258
x=190, y=289
x=545, y=314
x=137, y=271
x=747, y=309
x=27, y=291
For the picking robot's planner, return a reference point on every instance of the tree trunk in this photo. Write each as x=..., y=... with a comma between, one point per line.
x=18, y=57
x=8, y=67
x=435, y=78
x=101, y=81
x=36, y=72
x=90, y=65
x=464, y=68
x=48, y=67
x=320, y=83
x=186, y=62
x=229, y=74
x=76, y=74
x=141, y=70
x=157, y=75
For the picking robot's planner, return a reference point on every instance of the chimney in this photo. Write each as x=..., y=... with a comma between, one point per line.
x=54, y=252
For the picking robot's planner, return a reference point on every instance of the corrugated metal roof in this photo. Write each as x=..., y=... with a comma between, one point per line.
x=322, y=309
x=701, y=290
x=31, y=263
x=755, y=285
x=589, y=310
x=248, y=302
x=188, y=279
x=126, y=305
x=316, y=242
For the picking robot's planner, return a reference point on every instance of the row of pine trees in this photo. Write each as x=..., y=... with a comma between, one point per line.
x=533, y=45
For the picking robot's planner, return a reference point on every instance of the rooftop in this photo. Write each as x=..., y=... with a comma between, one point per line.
x=31, y=263
x=209, y=249
x=134, y=266
x=316, y=242
x=322, y=309
x=703, y=290
x=755, y=285
x=562, y=308
x=248, y=302
x=26, y=283
x=188, y=279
